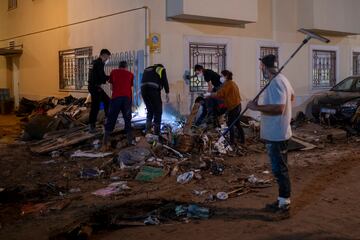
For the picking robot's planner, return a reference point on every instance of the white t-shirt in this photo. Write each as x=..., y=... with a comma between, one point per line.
x=277, y=128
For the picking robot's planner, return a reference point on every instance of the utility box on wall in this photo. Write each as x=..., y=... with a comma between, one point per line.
x=229, y=12
x=331, y=17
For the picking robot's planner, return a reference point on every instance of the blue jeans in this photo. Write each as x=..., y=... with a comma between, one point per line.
x=118, y=104
x=277, y=152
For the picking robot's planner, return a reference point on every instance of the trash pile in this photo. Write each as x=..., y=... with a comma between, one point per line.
x=182, y=156
x=51, y=114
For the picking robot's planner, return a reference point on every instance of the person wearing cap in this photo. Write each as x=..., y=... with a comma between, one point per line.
x=153, y=81
x=122, y=82
x=275, y=128
x=97, y=77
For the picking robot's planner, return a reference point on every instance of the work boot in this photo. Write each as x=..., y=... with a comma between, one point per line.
x=148, y=127
x=157, y=129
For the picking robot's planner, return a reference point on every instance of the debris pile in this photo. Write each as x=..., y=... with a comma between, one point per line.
x=51, y=114
x=183, y=157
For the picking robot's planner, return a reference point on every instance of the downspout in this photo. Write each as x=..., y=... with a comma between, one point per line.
x=147, y=28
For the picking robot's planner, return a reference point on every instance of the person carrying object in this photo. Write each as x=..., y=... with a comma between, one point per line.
x=275, y=128
x=153, y=81
x=97, y=77
x=122, y=82
x=230, y=93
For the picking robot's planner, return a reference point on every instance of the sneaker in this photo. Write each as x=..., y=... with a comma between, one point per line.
x=275, y=208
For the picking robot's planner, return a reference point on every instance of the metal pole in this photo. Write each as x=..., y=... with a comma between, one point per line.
x=306, y=40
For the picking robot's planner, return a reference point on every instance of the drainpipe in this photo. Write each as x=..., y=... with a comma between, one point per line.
x=16, y=80
x=147, y=30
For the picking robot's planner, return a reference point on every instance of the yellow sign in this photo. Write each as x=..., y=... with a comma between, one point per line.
x=154, y=42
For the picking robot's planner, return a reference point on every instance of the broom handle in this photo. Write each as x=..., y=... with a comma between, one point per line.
x=306, y=40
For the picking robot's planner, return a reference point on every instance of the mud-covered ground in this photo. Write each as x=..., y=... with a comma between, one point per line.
x=325, y=182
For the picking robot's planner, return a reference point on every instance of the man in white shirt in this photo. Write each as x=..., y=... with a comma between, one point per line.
x=275, y=128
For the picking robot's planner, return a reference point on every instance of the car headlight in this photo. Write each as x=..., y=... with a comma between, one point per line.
x=351, y=104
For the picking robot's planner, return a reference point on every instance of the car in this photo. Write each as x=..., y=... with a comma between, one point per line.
x=340, y=103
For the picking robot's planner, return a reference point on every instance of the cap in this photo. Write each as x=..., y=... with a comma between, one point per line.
x=269, y=60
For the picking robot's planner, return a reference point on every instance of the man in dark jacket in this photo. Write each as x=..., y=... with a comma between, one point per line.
x=212, y=78
x=97, y=77
x=154, y=79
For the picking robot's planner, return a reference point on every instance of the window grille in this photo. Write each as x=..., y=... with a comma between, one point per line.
x=263, y=52
x=210, y=56
x=74, y=68
x=324, y=68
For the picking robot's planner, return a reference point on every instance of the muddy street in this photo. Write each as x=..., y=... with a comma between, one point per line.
x=44, y=199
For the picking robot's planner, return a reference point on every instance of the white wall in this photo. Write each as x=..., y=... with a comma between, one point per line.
x=277, y=23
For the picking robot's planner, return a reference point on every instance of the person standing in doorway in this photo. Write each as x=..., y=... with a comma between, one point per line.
x=153, y=81
x=275, y=128
x=122, y=82
x=97, y=77
x=230, y=93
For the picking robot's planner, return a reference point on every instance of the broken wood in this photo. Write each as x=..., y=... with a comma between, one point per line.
x=62, y=141
x=190, y=119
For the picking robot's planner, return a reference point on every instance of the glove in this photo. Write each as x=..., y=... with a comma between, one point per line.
x=207, y=94
x=167, y=98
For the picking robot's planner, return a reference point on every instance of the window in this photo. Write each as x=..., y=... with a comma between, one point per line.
x=115, y=58
x=12, y=4
x=357, y=86
x=345, y=85
x=74, y=68
x=356, y=63
x=323, y=68
x=210, y=56
x=263, y=52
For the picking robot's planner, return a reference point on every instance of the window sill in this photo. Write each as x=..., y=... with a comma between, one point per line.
x=74, y=90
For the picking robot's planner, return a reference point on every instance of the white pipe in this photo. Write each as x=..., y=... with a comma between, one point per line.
x=147, y=27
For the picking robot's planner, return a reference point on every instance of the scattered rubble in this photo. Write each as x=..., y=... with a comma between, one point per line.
x=113, y=188
x=187, y=156
x=147, y=174
x=185, y=177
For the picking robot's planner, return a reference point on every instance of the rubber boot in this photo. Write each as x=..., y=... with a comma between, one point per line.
x=148, y=127
x=157, y=129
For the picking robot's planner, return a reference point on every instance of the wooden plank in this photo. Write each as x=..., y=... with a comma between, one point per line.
x=60, y=142
x=191, y=118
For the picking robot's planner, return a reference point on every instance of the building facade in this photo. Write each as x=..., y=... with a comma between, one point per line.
x=59, y=38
